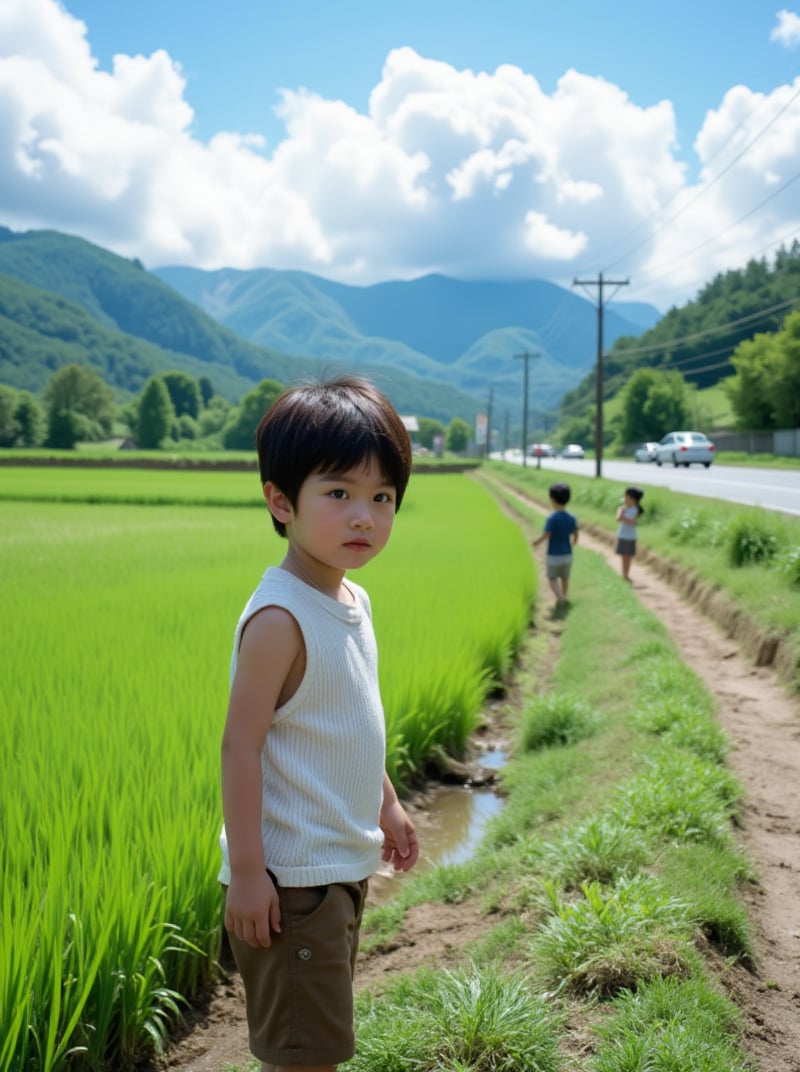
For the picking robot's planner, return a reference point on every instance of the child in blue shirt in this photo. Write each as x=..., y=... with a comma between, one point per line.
x=561, y=531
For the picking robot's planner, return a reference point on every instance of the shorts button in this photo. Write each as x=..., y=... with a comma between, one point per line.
x=304, y=954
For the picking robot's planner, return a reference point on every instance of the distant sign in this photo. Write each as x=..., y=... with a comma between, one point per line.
x=481, y=429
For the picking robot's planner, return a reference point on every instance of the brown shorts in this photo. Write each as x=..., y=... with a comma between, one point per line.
x=299, y=992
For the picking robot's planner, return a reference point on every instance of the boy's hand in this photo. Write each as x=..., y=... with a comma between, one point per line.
x=400, y=843
x=252, y=909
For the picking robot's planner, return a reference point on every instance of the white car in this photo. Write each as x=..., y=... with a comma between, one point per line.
x=683, y=448
x=646, y=452
x=542, y=450
x=573, y=450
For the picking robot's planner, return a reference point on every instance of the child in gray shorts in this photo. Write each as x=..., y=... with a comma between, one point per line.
x=561, y=532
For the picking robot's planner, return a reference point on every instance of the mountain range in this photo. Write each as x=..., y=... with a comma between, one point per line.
x=465, y=333
x=438, y=346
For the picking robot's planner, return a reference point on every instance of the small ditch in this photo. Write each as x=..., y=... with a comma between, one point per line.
x=450, y=820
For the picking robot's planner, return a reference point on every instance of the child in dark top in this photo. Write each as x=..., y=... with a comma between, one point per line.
x=628, y=515
x=561, y=531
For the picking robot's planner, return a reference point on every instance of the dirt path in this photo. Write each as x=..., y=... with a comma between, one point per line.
x=763, y=723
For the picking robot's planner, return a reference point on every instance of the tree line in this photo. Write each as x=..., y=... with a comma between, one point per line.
x=173, y=409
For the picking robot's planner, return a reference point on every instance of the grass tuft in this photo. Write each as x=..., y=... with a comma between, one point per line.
x=555, y=719
x=613, y=938
x=601, y=848
x=671, y=1025
x=751, y=541
x=469, y=1021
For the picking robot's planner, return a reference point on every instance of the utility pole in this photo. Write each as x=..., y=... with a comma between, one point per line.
x=505, y=436
x=598, y=424
x=526, y=357
x=489, y=424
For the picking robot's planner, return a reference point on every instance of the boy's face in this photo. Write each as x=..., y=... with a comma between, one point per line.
x=343, y=520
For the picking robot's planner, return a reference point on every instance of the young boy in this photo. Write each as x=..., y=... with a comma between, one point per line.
x=309, y=810
x=561, y=529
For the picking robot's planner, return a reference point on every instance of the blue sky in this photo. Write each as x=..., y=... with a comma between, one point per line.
x=688, y=52
x=368, y=141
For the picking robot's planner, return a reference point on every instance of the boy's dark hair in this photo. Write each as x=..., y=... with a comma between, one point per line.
x=560, y=493
x=331, y=426
x=637, y=494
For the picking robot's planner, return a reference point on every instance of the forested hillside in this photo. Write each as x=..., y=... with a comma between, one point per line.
x=64, y=300
x=41, y=332
x=699, y=338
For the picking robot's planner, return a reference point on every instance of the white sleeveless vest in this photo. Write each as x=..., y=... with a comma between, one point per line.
x=323, y=758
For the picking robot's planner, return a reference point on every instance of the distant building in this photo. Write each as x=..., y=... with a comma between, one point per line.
x=411, y=424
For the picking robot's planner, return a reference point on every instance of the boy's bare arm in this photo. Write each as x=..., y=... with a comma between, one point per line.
x=270, y=648
x=400, y=843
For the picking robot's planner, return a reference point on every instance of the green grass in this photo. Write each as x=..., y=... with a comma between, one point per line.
x=613, y=937
x=553, y=719
x=750, y=557
x=671, y=1025
x=611, y=867
x=115, y=687
x=470, y=1020
x=153, y=487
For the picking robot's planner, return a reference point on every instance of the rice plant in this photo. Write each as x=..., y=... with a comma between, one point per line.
x=115, y=679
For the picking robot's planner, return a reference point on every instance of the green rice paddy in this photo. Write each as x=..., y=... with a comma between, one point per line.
x=121, y=591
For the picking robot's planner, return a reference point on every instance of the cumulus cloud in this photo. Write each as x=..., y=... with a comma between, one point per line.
x=787, y=32
x=474, y=174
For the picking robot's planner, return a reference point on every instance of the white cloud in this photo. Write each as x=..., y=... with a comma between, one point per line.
x=787, y=32
x=545, y=240
x=474, y=174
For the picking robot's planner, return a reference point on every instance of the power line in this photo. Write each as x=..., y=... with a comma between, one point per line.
x=731, y=226
x=668, y=343
x=774, y=246
x=706, y=186
x=579, y=404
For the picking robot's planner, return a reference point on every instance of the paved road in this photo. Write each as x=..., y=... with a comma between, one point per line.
x=773, y=489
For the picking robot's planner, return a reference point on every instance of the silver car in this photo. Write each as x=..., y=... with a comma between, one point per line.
x=573, y=450
x=646, y=452
x=683, y=448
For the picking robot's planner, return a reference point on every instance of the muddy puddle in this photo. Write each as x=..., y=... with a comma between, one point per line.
x=449, y=828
